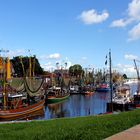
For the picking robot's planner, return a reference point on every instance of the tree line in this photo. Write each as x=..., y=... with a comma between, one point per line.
x=74, y=71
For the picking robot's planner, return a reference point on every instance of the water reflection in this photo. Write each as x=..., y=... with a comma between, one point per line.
x=78, y=105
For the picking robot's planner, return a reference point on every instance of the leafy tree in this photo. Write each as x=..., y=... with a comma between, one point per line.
x=76, y=70
x=124, y=76
x=19, y=70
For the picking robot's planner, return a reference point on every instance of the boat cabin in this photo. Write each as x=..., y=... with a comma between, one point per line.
x=123, y=90
x=16, y=101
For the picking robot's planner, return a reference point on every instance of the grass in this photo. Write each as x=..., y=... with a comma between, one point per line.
x=81, y=128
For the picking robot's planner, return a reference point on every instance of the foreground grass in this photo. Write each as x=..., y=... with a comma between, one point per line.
x=82, y=128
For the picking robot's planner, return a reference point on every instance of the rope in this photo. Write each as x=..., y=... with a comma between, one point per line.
x=31, y=91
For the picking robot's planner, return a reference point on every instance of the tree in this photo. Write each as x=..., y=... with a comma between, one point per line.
x=76, y=70
x=124, y=76
x=36, y=68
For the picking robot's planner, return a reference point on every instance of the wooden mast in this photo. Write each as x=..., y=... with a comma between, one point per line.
x=4, y=78
x=4, y=85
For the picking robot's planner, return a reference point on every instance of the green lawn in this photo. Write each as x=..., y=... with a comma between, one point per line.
x=81, y=128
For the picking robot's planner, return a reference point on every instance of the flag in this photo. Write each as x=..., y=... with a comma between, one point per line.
x=106, y=60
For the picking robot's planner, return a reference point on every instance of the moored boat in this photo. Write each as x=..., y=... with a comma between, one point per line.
x=26, y=98
x=56, y=94
x=122, y=100
x=103, y=87
x=74, y=89
x=89, y=92
x=21, y=109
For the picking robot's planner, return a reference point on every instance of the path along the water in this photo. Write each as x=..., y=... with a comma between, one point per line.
x=129, y=134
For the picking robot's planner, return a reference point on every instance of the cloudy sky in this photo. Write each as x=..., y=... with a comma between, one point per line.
x=72, y=31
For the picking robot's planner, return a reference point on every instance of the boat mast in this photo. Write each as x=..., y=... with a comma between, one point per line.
x=4, y=78
x=4, y=85
x=110, y=72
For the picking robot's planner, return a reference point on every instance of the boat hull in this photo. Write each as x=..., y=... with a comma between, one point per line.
x=54, y=99
x=102, y=89
x=24, y=111
x=120, y=107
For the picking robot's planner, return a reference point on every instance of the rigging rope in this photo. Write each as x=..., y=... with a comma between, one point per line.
x=29, y=90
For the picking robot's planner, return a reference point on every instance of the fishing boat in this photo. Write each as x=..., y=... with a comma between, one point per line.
x=58, y=90
x=87, y=90
x=74, y=89
x=122, y=98
x=18, y=109
x=26, y=98
x=137, y=93
x=56, y=94
x=103, y=87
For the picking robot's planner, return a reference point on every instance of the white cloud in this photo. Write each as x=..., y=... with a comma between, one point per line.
x=130, y=57
x=134, y=33
x=48, y=66
x=51, y=56
x=92, y=17
x=127, y=69
x=120, y=23
x=19, y=52
x=134, y=10
x=54, y=56
x=133, y=14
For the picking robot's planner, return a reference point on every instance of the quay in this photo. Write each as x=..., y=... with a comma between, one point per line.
x=129, y=134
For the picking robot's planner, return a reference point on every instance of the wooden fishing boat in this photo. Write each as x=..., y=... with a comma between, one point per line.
x=22, y=110
x=26, y=98
x=56, y=94
x=55, y=99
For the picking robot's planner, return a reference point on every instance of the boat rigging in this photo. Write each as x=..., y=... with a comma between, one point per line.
x=138, y=76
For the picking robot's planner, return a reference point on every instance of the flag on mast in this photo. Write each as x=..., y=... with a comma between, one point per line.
x=106, y=60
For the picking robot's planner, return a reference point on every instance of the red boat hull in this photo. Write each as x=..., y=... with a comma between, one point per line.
x=24, y=111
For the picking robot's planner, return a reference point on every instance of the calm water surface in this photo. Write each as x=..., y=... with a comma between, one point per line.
x=79, y=105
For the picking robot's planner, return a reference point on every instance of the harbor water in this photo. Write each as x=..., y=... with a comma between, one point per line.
x=80, y=105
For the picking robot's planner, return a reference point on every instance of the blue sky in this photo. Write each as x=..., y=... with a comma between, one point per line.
x=73, y=31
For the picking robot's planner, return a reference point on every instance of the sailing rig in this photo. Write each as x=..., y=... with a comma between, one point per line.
x=26, y=95
x=58, y=91
x=137, y=95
